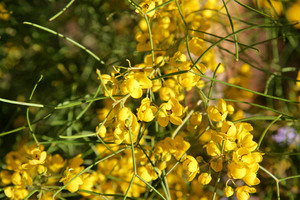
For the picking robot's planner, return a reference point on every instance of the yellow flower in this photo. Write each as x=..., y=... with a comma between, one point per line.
x=102, y=131
x=236, y=171
x=179, y=60
x=111, y=84
x=21, y=178
x=293, y=15
x=146, y=6
x=218, y=113
x=76, y=161
x=272, y=6
x=196, y=118
x=55, y=162
x=242, y=192
x=5, y=177
x=134, y=83
x=188, y=80
x=143, y=40
x=204, y=178
x=197, y=46
x=146, y=112
x=190, y=164
x=147, y=173
x=217, y=164
x=156, y=85
x=166, y=93
x=3, y=13
x=228, y=191
x=15, y=193
x=70, y=173
x=251, y=179
x=38, y=157
x=14, y=160
x=212, y=149
x=124, y=114
x=121, y=132
x=177, y=146
x=298, y=78
x=171, y=111
x=89, y=182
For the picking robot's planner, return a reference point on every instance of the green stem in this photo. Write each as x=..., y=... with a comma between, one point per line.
x=63, y=10
x=265, y=131
x=27, y=112
x=67, y=38
x=232, y=27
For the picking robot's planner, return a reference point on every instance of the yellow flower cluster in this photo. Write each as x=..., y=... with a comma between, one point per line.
x=145, y=118
x=30, y=167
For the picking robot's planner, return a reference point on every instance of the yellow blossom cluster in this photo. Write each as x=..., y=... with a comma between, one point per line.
x=148, y=124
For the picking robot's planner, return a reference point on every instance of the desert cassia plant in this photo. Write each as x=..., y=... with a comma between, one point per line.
x=150, y=99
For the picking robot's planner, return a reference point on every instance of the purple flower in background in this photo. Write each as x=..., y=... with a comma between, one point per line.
x=286, y=134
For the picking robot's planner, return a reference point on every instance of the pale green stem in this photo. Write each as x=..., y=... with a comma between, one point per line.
x=22, y=103
x=232, y=27
x=287, y=178
x=63, y=10
x=67, y=38
x=151, y=187
x=27, y=112
x=265, y=131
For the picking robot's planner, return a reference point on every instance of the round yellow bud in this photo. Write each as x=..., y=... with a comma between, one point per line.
x=228, y=191
x=204, y=178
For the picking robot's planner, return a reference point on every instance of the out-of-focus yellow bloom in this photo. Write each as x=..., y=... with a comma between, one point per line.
x=274, y=7
x=293, y=14
x=15, y=193
x=298, y=78
x=76, y=161
x=3, y=12
x=197, y=46
x=55, y=162
x=196, y=118
x=217, y=164
x=102, y=131
x=5, y=177
x=147, y=173
x=242, y=79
